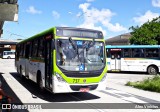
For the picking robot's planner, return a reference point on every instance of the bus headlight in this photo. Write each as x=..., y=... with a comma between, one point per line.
x=59, y=77
x=104, y=77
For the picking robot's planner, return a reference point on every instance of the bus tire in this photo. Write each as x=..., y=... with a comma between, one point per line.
x=8, y=57
x=152, y=70
x=39, y=81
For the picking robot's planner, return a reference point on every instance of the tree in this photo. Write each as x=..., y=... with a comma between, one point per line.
x=147, y=34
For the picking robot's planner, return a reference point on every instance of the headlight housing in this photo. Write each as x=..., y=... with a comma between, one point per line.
x=104, y=77
x=59, y=77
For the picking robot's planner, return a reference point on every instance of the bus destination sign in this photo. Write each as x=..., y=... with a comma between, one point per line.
x=79, y=33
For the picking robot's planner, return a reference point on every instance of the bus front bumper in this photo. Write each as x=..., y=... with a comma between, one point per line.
x=64, y=87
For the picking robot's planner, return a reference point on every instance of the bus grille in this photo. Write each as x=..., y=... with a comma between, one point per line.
x=77, y=87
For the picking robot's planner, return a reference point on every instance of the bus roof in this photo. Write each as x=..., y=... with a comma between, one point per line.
x=71, y=28
x=133, y=46
x=38, y=35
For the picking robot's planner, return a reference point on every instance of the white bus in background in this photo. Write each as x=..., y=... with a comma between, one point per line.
x=8, y=54
x=136, y=58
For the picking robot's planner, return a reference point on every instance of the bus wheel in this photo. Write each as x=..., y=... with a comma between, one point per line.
x=9, y=57
x=39, y=81
x=152, y=70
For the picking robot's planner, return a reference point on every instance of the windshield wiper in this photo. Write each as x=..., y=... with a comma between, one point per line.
x=90, y=44
x=74, y=47
x=73, y=44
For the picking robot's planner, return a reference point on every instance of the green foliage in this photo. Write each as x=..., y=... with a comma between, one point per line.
x=147, y=34
x=152, y=84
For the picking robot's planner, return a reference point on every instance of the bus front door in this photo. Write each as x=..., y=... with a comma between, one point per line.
x=115, y=60
x=48, y=64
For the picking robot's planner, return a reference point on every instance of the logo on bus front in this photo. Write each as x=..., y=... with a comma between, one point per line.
x=84, y=81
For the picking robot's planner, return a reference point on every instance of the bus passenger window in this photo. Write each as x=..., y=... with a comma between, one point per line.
x=21, y=50
x=17, y=51
x=126, y=53
x=152, y=52
x=35, y=48
x=27, y=48
x=108, y=53
x=41, y=48
x=138, y=52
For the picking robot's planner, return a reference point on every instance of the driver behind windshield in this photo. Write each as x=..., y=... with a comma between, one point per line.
x=61, y=54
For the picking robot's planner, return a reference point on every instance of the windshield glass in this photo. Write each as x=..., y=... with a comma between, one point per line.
x=80, y=55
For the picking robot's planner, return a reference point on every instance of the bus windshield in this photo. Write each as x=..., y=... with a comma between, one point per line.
x=80, y=55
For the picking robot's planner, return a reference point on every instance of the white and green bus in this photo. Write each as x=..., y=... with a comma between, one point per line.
x=64, y=59
x=134, y=58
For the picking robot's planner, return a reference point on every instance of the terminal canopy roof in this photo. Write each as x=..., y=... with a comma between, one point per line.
x=8, y=12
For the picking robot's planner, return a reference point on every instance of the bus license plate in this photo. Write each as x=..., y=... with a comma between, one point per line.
x=84, y=89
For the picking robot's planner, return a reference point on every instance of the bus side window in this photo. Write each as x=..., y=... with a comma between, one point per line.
x=126, y=53
x=21, y=50
x=35, y=48
x=41, y=48
x=152, y=52
x=17, y=51
x=24, y=50
x=27, y=50
x=138, y=52
x=30, y=51
x=108, y=53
